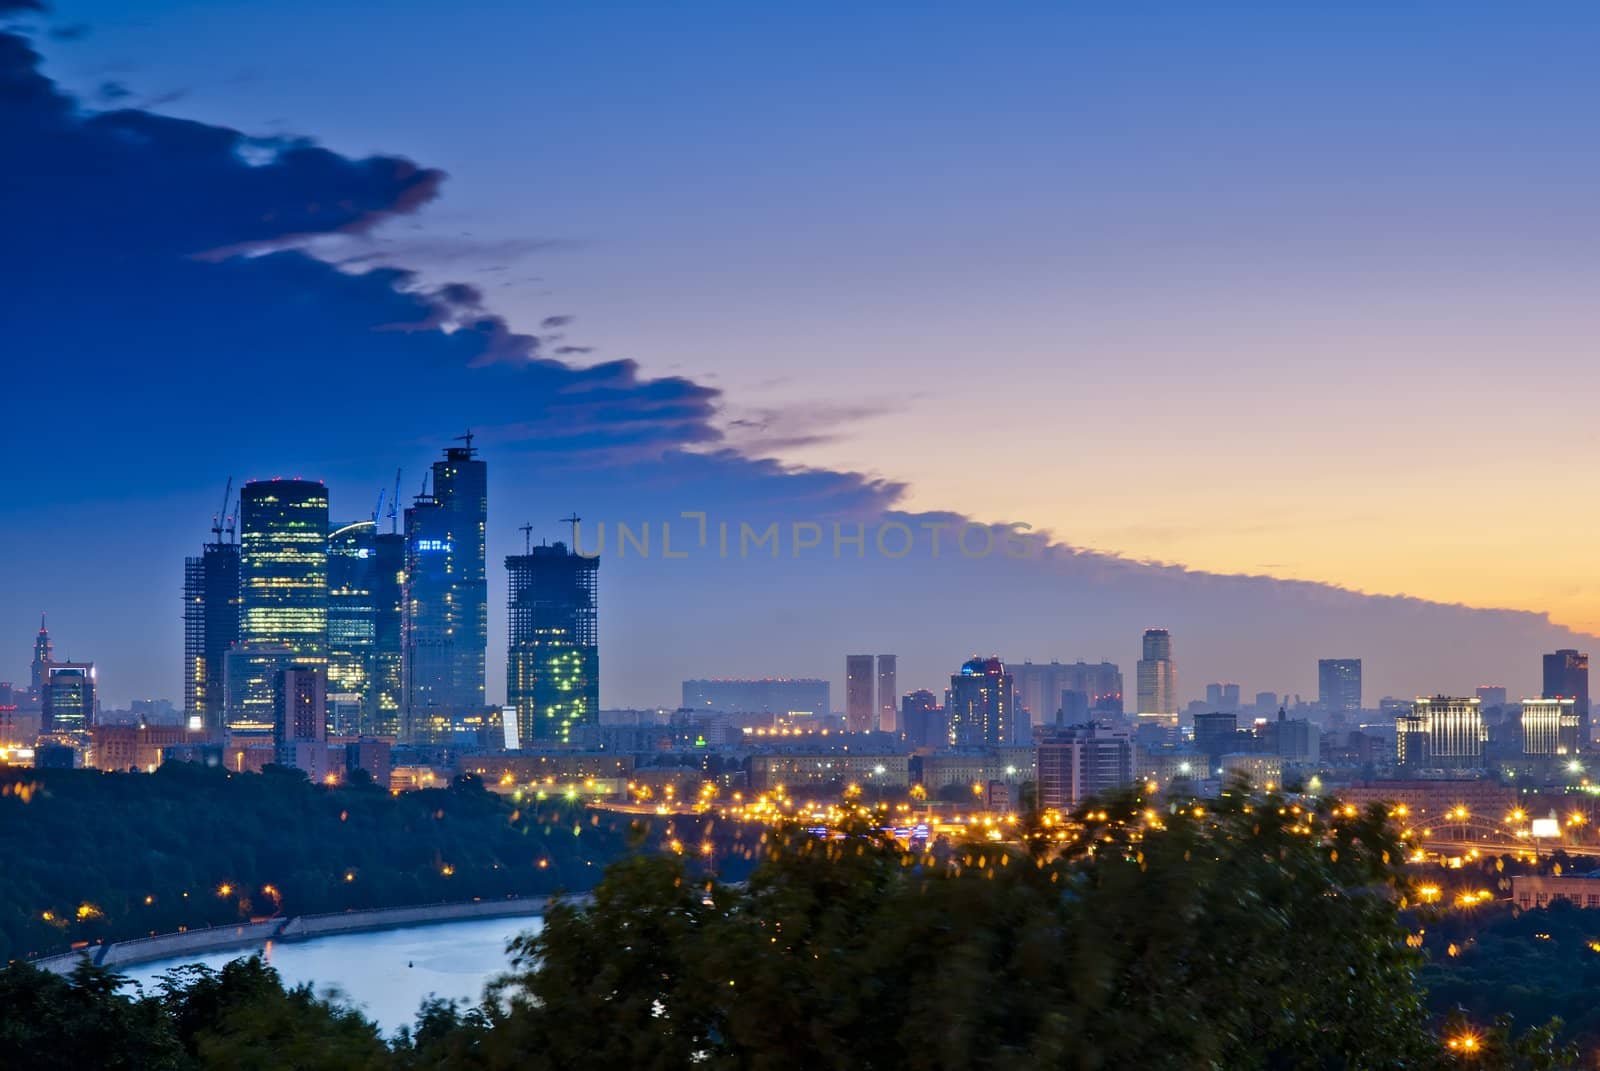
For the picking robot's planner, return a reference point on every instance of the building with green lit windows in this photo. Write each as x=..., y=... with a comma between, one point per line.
x=553, y=662
x=283, y=589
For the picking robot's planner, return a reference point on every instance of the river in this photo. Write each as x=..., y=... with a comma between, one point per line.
x=386, y=973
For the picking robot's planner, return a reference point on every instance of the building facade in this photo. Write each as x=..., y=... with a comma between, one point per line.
x=1441, y=732
x=1550, y=726
x=1566, y=676
x=888, y=694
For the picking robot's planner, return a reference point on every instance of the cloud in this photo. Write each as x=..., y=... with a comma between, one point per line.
x=16, y=7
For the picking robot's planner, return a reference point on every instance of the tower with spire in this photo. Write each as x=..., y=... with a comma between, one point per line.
x=43, y=655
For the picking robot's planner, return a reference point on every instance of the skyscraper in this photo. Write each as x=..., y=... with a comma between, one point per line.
x=888, y=697
x=859, y=704
x=352, y=623
x=1158, y=678
x=445, y=626
x=388, y=608
x=922, y=721
x=1339, y=684
x=211, y=611
x=1566, y=676
x=283, y=571
x=43, y=654
x=982, y=704
x=553, y=663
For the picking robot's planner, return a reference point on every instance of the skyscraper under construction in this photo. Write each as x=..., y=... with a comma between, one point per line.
x=553, y=661
x=445, y=621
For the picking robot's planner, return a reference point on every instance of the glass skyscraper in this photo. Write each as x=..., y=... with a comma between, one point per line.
x=445, y=623
x=211, y=602
x=553, y=660
x=352, y=625
x=283, y=566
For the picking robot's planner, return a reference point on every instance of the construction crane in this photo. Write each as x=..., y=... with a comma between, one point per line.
x=221, y=520
x=467, y=438
x=527, y=538
x=573, y=520
x=394, y=505
x=377, y=511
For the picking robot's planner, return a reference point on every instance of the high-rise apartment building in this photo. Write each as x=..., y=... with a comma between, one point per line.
x=553, y=662
x=1042, y=686
x=445, y=622
x=888, y=694
x=388, y=610
x=283, y=571
x=860, y=703
x=1339, y=684
x=1566, y=676
x=982, y=706
x=1158, y=678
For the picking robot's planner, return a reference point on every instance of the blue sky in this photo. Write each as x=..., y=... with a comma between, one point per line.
x=1243, y=288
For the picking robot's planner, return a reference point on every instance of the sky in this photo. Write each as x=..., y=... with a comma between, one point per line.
x=1215, y=295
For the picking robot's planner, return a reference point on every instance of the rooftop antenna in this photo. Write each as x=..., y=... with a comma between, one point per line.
x=219, y=520
x=394, y=505
x=573, y=520
x=527, y=538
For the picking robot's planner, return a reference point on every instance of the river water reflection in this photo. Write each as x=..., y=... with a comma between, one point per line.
x=387, y=973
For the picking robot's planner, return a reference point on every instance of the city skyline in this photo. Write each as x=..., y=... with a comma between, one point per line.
x=575, y=426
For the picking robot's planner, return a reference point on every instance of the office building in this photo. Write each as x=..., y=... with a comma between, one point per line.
x=1294, y=740
x=300, y=716
x=1339, y=684
x=1566, y=676
x=445, y=622
x=553, y=660
x=1077, y=763
x=783, y=696
x=1442, y=732
x=388, y=659
x=860, y=705
x=981, y=708
x=1550, y=726
x=283, y=571
x=1158, y=679
x=352, y=627
x=68, y=698
x=888, y=694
